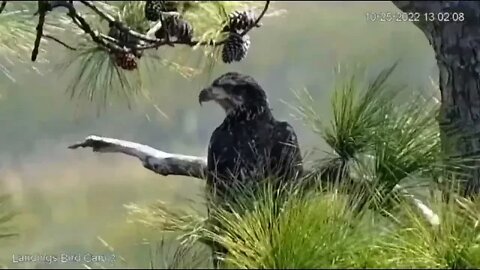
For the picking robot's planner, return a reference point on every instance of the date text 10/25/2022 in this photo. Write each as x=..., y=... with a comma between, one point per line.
x=414, y=16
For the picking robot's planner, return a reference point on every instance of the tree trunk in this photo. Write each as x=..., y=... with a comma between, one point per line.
x=457, y=49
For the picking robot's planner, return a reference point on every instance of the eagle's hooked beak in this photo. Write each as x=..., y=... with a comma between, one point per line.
x=206, y=95
x=212, y=93
x=219, y=95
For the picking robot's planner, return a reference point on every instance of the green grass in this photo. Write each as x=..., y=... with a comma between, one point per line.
x=321, y=229
x=6, y=217
x=454, y=244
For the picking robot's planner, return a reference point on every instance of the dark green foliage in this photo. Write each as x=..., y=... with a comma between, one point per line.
x=376, y=144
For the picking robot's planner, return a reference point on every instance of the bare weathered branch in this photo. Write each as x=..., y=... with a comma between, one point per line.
x=155, y=160
x=177, y=164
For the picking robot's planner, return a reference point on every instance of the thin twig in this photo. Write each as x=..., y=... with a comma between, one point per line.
x=60, y=42
x=2, y=6
x=82, y=24
x=256, y=24
x=117, y=24
x=42, y=11
x=110, y=39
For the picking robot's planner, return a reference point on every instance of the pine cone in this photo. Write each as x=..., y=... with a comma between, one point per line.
x=126, y=61
x=240, y=20
x=235, y=48
x=176, y=27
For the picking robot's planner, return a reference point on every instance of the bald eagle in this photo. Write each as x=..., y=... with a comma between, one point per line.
x=250, y=145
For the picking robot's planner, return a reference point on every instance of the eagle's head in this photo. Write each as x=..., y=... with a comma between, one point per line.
x=235, y=92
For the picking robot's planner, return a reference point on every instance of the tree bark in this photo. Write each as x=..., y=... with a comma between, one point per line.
x=456, y=44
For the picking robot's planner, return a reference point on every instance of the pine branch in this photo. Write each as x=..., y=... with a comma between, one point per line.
x=82, y=24
x=114, y=23
x=111, y=44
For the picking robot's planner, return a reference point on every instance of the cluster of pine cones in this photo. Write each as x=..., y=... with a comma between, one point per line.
x=236, y=45
x=234, y=49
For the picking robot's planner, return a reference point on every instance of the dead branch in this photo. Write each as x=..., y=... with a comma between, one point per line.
x=177, y=164
x=155, y=160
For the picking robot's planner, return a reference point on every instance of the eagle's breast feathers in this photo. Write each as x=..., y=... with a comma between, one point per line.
x=250, y=145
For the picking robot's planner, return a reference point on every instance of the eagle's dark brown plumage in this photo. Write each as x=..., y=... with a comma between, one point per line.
x=250, y=145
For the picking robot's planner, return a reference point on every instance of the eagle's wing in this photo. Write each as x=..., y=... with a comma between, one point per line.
x=221, y=160
x=285, y=154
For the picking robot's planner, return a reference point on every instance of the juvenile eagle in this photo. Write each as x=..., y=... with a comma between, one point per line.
x=250, y=145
